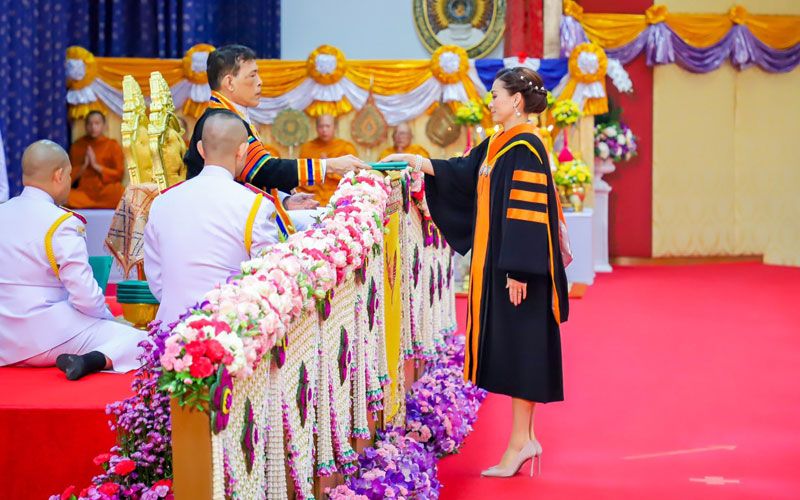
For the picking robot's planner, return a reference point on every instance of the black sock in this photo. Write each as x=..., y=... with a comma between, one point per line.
x=80, y=366
x=64, y=360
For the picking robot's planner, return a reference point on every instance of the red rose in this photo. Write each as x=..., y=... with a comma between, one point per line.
x=108, y=488
x=124, y=467
x=196, y=349
x=163, y=482
x=201, y=367
x=102, y=458
x=214, y=350
x=68, y=493
x=221, y=326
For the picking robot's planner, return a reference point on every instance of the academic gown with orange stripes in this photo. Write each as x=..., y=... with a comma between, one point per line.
x=500, y=202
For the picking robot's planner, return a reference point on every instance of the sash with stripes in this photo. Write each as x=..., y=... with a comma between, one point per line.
x=309, y=171
x=280, y=215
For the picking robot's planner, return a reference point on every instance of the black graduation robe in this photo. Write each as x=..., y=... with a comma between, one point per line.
x=261, y=169
x=500, y=202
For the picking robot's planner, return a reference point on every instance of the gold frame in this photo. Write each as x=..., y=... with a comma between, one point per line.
x=494, y=32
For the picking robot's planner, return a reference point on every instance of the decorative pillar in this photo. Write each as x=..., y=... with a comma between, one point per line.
x=600, y=237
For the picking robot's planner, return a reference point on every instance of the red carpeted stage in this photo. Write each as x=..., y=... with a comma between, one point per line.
x=51, y=429
x=681, y=382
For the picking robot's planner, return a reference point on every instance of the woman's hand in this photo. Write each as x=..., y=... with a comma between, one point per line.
x=398, y=157
x=416, y=163
x=517, y=291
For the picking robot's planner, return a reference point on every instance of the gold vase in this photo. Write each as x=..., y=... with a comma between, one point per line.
x=576, y=193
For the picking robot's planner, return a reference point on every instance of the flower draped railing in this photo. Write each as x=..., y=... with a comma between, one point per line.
x=290, y=358
x=291, y=366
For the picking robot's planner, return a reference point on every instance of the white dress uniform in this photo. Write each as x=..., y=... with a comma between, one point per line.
x=50, y=303
x=198, y=234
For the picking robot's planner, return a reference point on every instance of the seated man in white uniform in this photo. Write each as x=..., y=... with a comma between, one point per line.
x=52, y=312
x=201, y=230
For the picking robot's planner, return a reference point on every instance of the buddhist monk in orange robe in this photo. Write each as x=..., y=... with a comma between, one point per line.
x=326, y=145
x=402, y=138
x=97, y=167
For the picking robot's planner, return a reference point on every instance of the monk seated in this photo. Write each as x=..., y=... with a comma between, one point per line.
x=326, y=145
x=97, y=167
x=402, y=139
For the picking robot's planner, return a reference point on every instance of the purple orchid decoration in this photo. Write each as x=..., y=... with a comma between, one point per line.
x=449, y=271
x=372, y=302
x=406, y=190
x=345, y=356
x=304, y=394
x=416, y=266
x=433, y=285
x=279, y=352
x=221, y=400
x=439, y=280
x=324, y=306
x=361, y=274
x=249, y=436
x=427, y=230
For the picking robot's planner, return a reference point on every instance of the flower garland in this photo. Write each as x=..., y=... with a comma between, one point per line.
x=239, y=322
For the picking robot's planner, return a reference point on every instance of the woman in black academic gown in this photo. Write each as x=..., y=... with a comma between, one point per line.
x=500, y=201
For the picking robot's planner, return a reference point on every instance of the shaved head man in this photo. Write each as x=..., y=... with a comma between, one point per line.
x=52, y=312
x=224, y=142
x=45, y=165
x=201, y=230
x=403, y=138
x=326, y=145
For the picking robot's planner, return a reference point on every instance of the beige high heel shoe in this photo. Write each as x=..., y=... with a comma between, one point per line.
x=531, y=451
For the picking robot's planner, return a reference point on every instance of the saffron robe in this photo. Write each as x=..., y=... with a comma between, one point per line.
x=261, y=169
x=318, y=149
x=500, y=202
x=93, y=189
x=412, y=149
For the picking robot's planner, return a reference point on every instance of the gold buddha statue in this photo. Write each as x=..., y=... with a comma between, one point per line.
x=135, y=141
x=167, y=146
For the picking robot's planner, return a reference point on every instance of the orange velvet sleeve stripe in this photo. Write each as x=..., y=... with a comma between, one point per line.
x=530, y=177
x=527, y=215
x=529, y=196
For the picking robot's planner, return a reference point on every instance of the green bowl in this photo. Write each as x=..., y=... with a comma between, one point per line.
x=143, y=295
x=122, y=300
x=132, y=284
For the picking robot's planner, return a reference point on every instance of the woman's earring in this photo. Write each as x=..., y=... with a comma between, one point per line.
x=517, y=111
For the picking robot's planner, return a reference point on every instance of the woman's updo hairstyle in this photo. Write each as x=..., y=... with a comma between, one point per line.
x=528, y=83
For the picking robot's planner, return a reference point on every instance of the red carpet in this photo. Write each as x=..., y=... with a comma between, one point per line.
x=50, y=429
x=696, y=365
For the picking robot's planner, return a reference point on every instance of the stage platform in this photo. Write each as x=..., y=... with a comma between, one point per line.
x=51, y=428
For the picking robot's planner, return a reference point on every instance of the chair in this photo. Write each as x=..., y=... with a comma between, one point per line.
x=101, y=269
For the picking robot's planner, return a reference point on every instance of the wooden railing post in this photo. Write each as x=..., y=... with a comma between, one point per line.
x=192, y=468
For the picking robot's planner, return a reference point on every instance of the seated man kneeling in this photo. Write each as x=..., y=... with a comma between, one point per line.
x=52, y=312
x=200, y=231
